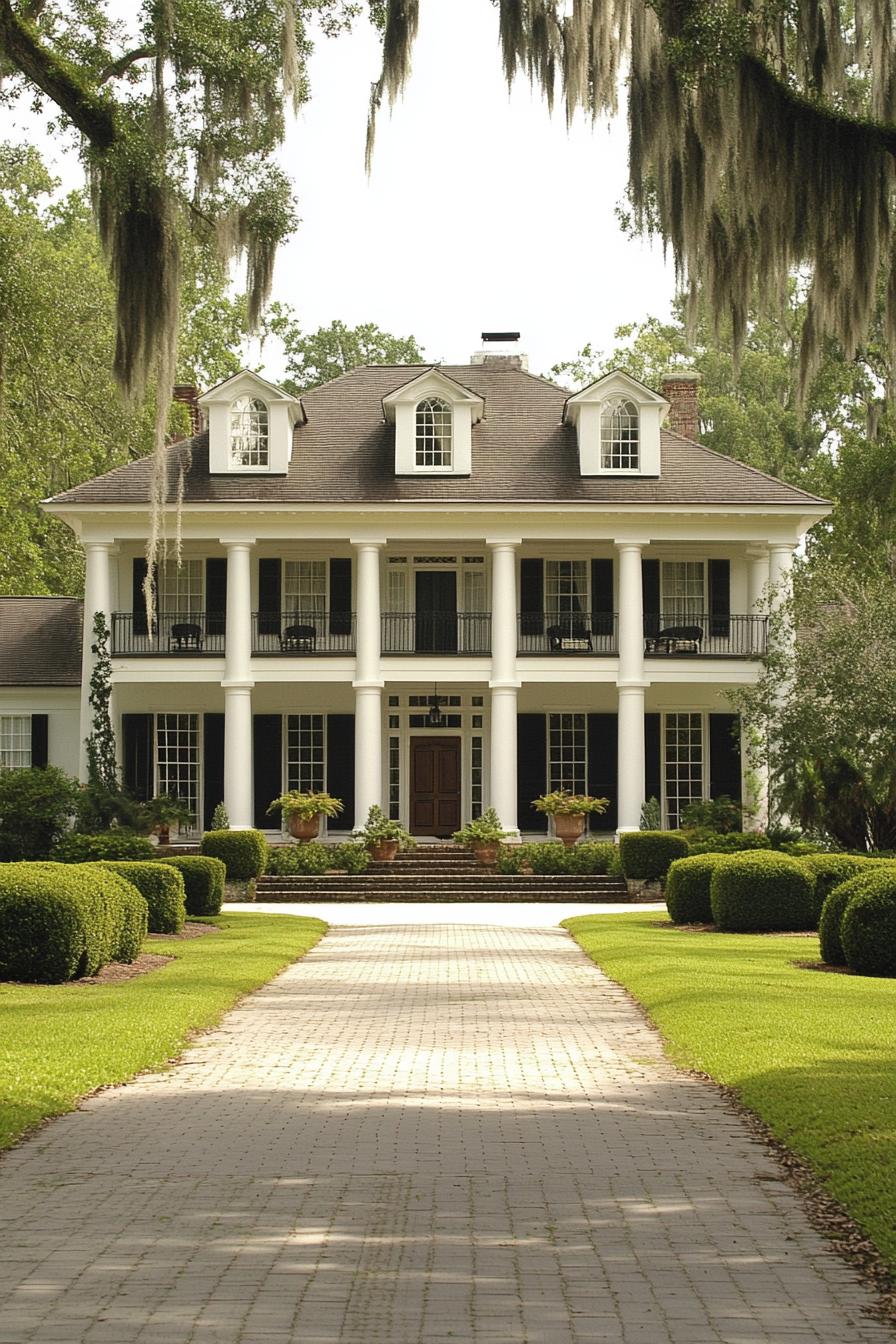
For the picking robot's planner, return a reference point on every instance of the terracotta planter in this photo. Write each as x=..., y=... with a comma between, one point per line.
x=164, y=834
x=568, y=826
x=303, y=828
x=486, y=853
x=383, y=851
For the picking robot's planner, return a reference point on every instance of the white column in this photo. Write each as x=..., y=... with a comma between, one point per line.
x=97, y=597
x=631, y=684
x=237, y=684
x=503, y=684
x=780, y=557
x=368, y=682
x=757, y=593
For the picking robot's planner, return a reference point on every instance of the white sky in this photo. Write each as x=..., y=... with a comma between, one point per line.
x=482, y=212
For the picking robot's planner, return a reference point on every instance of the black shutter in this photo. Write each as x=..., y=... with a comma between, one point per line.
x=340, y=597
x=341, y=766
x=719, y=598
x=139, y=571
x=212, y=765
x=650, y=584
x=40, y=739
x=215, y=596
x=603, y=769
x=267, y=763
x=531, y=768
x=653, y=770
x=532, y=600
x=602, y=597
x=269, y=598
x=724, y=756
x=138, y=738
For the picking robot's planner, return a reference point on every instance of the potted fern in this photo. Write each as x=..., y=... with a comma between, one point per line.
x=568, y=811
x=303, y=810
x=484, y=836
x=383, y=836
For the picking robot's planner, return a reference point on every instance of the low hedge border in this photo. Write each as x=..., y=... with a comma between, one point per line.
x=828, y=871
x=161, y=886
x=243, y=853
x=74, y=847
x=762, y=891
x=316, y=858
x=203, y=879
x=61, y=921
x=552, y=856
x=646, y=855
x=868, y=926
x=832, y=916
x=687, y=888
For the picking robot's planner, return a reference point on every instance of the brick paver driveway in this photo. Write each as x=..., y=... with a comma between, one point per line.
x=439, y=1133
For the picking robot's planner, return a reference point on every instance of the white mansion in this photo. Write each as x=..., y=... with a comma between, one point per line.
x=435, y=588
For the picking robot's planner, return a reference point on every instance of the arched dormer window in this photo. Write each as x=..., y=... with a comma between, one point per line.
x=249, y=433
x=433, y=434
x=619, y=437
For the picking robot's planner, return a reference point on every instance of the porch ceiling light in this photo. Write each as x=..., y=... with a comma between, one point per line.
x=434, y=717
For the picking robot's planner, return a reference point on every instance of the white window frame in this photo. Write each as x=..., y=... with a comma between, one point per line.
x=430, y=437
x=306, y=761
x=620, y=436
x=15, y=730
x=164, y=777
x=567, y=771
x=674, y=801
x=182, y=587
x=249, y=427
x=683, y=608
x=554, y=589
x=305, y=590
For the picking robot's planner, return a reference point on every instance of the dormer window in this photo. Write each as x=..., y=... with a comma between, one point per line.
x=619, y=436
x=248, y=433
x=433, y=435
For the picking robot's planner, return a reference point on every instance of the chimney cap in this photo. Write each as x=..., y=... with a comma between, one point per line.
x=682, y=375
x=500, y=336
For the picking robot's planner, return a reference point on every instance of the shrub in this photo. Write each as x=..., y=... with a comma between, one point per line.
x=119, y=846
x=552, y=856
x=647, y=854
x=868, y=926
x=243, y=853
x=220, y=818
x=35, y=806
x=725, y=842
x=651, y=815
x=832, y=916
x=687, y=888
x=829, y=871
x=720, y=814
x=315, y=858
x=761, y=891
x=161, y=886
x=203, y=882
x=59, y=921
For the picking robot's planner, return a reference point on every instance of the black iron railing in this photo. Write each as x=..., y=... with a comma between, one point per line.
x=303, y=632
x=178, y=633
x=436, y=632
x=547, y=632
x=673, y=634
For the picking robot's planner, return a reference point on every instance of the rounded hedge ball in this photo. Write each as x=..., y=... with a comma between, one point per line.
x=687, y=888
x=868, y=927
x=760, y=892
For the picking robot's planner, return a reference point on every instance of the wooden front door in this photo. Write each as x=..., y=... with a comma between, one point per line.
x=435, y=785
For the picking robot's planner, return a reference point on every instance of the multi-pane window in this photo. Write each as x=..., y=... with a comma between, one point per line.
x=305, y=587
x=619, y=436
x=684, y=763
x=248, y=433
x=394, y=778
x=177, y=749
x=180, y=588
x=305, y=751
x=475, y=776
x=433, y=439
x=15, y=740
x=566, y=594
x=397, y=586
x=567, y=752
x=683, y=591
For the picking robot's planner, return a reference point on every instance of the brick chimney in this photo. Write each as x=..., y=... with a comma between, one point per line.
x=188, y=395
x=680, y=388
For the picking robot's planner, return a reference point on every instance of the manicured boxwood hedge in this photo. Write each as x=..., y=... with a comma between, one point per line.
x=647, y=854
x=687, y=888
x=73, y=847
x=868, y=926
x=59, y=921
x=552, y=856
x=725, y=842
x=315, y=858
x=829, y=870
x=203, y=879
x=162, y=887
x=832, y=916
x=243, y=853
x=762, y=891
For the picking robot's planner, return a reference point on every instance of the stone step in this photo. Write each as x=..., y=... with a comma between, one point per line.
x=364, y=887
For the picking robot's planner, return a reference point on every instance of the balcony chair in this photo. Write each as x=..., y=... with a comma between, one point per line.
x=675, y=639
x=298, y=639
x=185, y=636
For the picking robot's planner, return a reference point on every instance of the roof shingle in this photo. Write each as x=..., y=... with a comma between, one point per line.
x=40, y=641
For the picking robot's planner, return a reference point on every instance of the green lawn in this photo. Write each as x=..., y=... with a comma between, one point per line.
x=58, y=1042
x=813, y=1054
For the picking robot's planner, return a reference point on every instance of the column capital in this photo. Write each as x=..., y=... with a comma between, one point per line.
x=757, y=550
x=631, y=543
x=506, y=543
x=784, y=546
x=498, y=686
x=237, y=687
x=240, y=539
x=103, y=544
x=367, y=543
x=372, y=687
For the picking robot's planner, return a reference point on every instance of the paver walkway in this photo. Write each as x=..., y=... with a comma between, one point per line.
x=419, y=1133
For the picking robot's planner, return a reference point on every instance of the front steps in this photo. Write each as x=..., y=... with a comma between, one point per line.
x=439, y=873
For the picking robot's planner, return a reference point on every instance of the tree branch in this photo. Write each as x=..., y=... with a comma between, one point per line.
x=776, y=88
x=56, y=78
x=115, y=69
